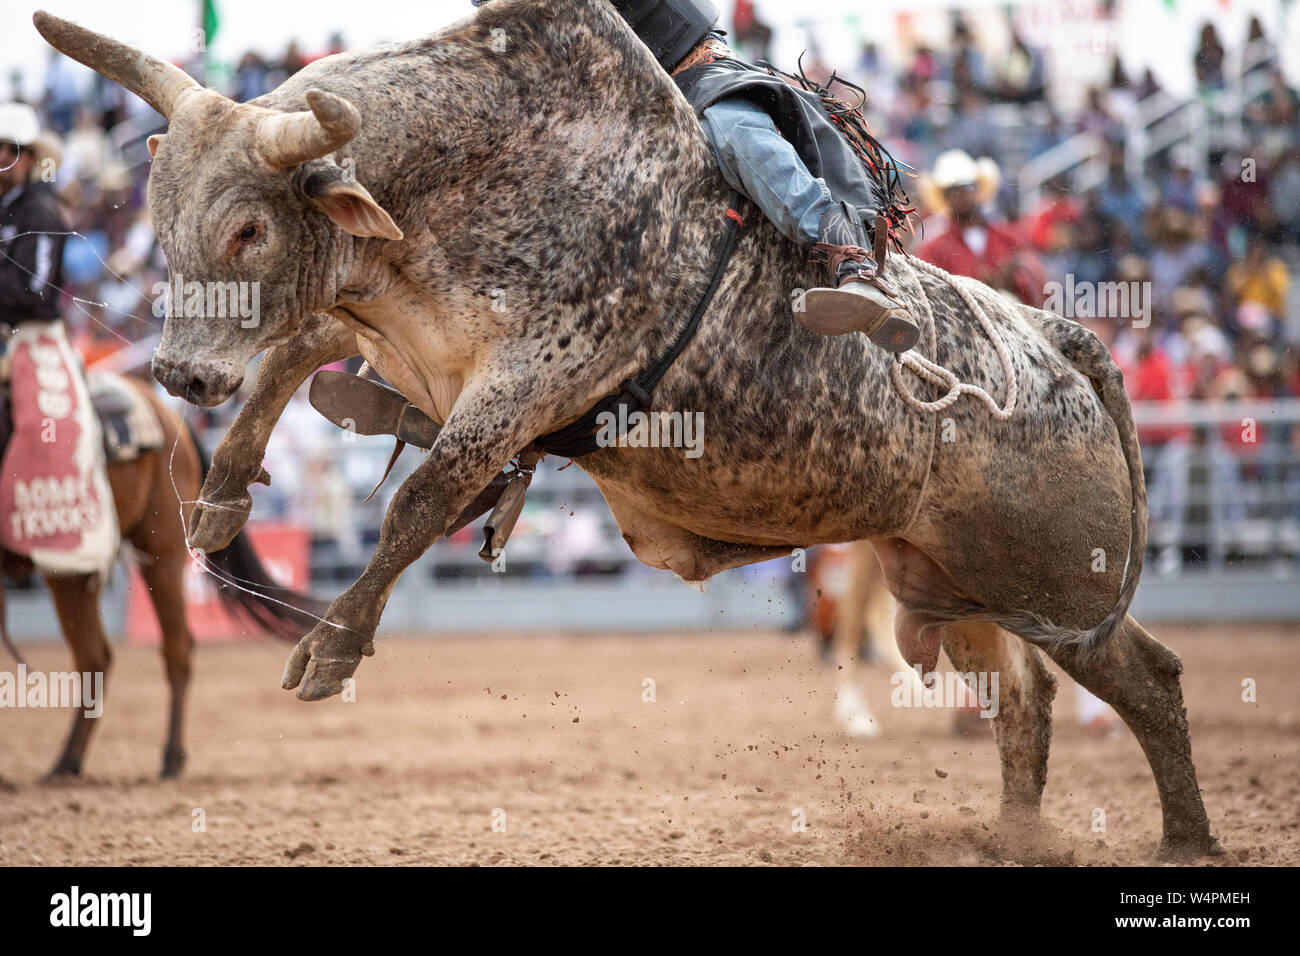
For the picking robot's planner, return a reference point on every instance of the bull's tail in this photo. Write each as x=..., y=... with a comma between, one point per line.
x=1089, y=355
x=249, y=593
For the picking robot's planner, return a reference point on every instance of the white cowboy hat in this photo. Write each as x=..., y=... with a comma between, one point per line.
x=956, y=168
x=18, y=124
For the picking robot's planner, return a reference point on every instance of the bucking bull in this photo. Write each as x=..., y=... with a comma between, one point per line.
x=385, y=198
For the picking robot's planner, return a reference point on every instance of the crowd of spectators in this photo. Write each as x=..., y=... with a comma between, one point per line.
x=1216, y=237
x=1207, y=244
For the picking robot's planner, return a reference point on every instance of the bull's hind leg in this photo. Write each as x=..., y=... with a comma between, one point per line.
x=1138, y=676
x=1022, y=724
x=76, y=601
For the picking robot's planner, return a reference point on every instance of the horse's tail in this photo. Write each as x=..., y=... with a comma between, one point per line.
x=248, y=592
x=1089, y=355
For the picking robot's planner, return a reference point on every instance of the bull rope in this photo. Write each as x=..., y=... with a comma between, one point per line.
x=933, y=372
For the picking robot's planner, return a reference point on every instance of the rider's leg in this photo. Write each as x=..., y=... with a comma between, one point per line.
x=757, y=160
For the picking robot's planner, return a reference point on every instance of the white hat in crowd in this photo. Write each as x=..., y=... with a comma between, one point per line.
x=18, y=124
x=956, y=168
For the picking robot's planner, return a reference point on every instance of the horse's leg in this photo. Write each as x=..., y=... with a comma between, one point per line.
x=1022, y=724
x=1138, y=676
x=159, y=490
x=879, y=618
x=165, y=576
x=76, y=601
x=853, y=619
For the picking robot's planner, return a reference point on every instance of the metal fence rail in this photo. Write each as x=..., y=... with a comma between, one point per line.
x=1223, y=484
x=1224, y=542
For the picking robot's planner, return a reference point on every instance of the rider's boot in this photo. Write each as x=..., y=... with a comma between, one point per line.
x=862, y=299
x=366, y=407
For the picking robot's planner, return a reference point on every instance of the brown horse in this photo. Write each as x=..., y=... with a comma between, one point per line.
x=151, y=493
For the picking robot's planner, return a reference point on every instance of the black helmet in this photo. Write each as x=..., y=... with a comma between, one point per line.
x=670, y=28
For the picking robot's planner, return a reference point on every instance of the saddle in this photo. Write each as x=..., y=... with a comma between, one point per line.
x=130, y=424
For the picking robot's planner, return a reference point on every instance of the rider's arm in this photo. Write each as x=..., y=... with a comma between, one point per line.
x=29, y=267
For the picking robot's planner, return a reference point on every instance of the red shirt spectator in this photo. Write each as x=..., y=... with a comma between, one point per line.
x=1002, y=258
x=1151, y=379
x=1053, y=211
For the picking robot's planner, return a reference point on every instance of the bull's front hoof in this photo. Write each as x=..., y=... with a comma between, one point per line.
x=214, y=523
x=1189, y=849
x=324, y=660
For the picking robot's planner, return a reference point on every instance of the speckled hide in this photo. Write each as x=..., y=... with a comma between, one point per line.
x=559, y=210
x=585, y=204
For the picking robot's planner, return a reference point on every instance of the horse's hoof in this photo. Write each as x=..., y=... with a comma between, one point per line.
x=852, y=713
x=862, y=726
x=61, y=775
x=173, y=764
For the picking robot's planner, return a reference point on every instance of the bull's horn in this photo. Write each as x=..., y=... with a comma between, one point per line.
x=287, y=139
x=155, y=81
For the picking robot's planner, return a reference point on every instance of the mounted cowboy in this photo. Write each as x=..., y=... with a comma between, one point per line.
x=780, y=147
x=56, y=507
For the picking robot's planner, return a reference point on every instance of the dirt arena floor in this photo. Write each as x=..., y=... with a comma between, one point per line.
x=552, y=732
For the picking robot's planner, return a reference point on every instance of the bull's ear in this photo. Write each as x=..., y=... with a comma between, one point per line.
x=153, y=142
x=351, y=207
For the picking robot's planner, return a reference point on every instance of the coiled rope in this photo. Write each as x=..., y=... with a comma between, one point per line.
x=924, y=368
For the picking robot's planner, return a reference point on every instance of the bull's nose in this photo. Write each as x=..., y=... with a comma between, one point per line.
x=199, y=384
x=170, y=375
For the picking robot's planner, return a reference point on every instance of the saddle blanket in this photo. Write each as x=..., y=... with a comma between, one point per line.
x=56, y=507
x=129, y=422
